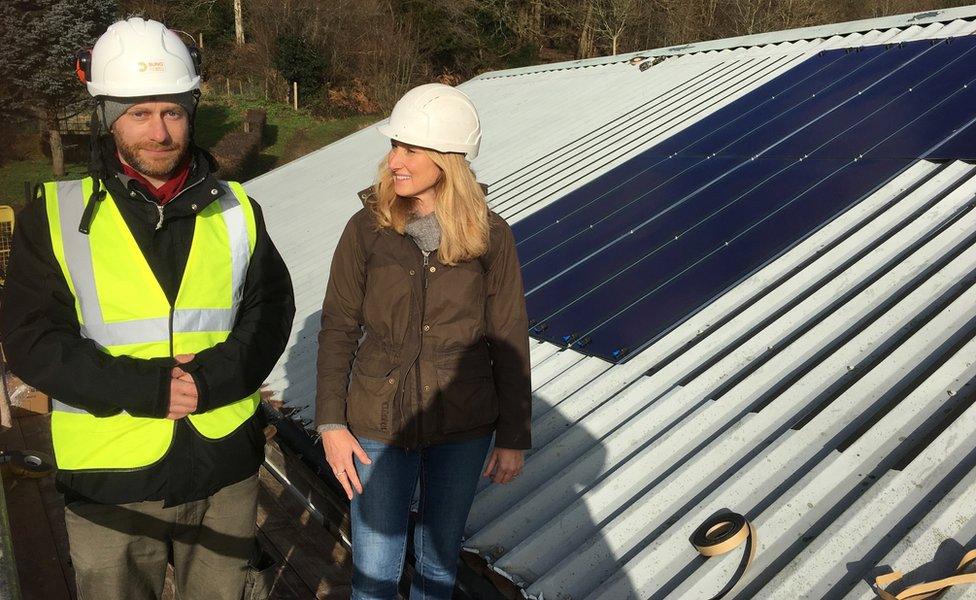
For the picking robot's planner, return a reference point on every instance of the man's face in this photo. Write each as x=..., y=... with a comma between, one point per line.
x=152, y=138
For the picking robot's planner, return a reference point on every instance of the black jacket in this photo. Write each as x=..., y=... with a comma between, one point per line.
x=41, y=339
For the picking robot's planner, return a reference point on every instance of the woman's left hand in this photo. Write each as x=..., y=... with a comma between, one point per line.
x=504, y=464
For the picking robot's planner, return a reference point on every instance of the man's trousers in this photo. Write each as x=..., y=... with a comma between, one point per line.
x=120, y=551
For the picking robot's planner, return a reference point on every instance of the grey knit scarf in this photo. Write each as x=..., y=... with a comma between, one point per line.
x=425, y=231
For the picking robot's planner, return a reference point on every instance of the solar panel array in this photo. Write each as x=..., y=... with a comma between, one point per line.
x=617, y=263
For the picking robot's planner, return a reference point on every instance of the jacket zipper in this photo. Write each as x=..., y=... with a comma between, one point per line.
x=159, y=225
x=172, y=312
x=172, y=308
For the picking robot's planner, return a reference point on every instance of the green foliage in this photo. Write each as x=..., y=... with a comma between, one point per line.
x=214, y=19
x=461, y=37
x=38, y=43
x=522, y=56
x=297, y=60
x=447, y=32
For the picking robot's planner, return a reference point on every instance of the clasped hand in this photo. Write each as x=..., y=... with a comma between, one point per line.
x=183, y=393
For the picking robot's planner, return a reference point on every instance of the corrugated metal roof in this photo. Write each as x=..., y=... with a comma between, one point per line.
x=841, y=328
x=827, y=396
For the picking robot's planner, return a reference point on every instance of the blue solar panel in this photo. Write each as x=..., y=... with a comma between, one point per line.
x=613, y=265
x=713, y=256
x=604, y=190
x=840, y=70
x=961, y=147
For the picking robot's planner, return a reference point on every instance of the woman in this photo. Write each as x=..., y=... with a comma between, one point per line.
x=423, y=352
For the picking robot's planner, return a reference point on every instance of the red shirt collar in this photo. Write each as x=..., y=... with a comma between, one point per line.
x=169, y=189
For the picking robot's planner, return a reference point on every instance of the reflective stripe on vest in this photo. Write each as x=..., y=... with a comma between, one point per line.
x=123, y=309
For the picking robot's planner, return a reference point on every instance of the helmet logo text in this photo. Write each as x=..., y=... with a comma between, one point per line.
x=153, y=67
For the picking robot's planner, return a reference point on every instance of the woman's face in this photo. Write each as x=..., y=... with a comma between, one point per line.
x=414, y=173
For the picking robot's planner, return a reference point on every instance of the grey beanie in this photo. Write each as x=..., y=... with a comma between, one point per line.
x=114, y=107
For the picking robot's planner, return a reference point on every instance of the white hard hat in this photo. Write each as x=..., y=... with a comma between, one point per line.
x=435, y=116
x=141, y=58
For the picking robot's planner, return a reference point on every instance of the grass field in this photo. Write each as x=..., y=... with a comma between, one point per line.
x=13, y=176
x=289, y=135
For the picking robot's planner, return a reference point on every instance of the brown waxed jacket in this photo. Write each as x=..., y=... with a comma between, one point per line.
x=413, y=352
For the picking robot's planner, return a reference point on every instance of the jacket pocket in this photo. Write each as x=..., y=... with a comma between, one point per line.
x=466, y=398
x=371, y=390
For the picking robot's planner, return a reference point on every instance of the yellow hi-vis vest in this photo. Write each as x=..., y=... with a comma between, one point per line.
x=121, y=306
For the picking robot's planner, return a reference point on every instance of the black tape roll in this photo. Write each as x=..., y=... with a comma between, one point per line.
x=724, y=533
x=720, y=534
x=28, y=463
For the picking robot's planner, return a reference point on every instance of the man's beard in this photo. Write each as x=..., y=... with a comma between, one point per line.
x=160, y=168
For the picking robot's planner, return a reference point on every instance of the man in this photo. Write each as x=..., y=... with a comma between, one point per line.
x=149, y=302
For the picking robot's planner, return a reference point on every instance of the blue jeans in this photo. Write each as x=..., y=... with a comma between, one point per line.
x=448, y=476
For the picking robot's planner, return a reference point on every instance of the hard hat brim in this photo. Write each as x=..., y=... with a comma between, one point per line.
x=117, y=91
x=469, y=151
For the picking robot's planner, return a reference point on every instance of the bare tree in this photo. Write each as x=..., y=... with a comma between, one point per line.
x=611, y=17
x=239, y=22
x=600, y=24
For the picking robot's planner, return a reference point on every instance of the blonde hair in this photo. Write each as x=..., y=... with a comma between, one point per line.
x=460, y=207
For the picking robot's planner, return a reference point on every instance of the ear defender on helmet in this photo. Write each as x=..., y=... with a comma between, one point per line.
x=196, y=55
x=83, y=65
